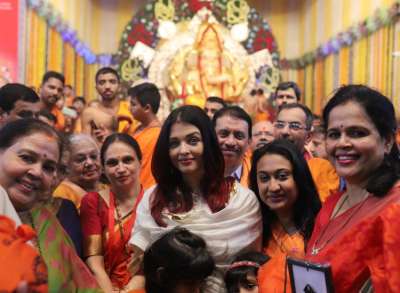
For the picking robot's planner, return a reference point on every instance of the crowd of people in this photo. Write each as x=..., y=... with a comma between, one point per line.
x=103, y=196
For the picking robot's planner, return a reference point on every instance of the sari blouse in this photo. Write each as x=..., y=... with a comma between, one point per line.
x=273, y=276
x=106, y=235
x=362, y=244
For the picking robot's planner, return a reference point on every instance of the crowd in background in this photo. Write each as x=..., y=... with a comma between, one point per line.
x=103, y=196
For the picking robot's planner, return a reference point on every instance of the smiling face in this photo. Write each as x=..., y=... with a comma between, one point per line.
x=186, y=150
x=121, y=165
x=28, y=168
x=353, y=143
x=233, y=138
x=291, y=125
x=84, y=163
x=276, y=184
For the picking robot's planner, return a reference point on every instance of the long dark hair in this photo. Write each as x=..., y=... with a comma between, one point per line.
x=171, y=191
x=382, y=114
x=307, y=204
x=177, y=256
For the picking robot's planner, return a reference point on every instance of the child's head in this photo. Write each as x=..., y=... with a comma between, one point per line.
x=241, y=276
x=177, y=262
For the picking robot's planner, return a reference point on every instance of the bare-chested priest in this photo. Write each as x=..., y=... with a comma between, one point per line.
x=110, y=114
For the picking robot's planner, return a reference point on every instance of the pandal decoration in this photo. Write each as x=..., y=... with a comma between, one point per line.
x=220, y=47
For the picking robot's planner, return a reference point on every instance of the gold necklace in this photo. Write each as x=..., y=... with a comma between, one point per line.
x=315, y=250
x=119, y=220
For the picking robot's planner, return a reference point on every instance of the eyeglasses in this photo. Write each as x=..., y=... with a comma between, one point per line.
x=296, y=126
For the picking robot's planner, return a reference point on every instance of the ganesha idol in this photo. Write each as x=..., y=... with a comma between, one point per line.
x=199, y=59
x=207, y=69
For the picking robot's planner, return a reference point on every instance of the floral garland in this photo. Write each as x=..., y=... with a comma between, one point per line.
x=144, y=28
x=381, y=18
x=68, y=35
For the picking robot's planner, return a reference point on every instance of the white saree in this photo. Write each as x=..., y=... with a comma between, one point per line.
x=234, y=229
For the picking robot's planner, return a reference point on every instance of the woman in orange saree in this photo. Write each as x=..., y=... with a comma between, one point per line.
x=356, y=232
x=108, y=216
x=289, y=203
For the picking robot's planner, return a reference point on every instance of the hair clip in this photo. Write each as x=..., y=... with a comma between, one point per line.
x=239, y=264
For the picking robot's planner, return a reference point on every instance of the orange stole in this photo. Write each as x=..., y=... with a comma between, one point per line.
x=60, y=118
x=244, y=179
x=18, y=260
x=271, y=276
x=147, y=139
x=124, y=115
x=70, y=191
x=325, y=178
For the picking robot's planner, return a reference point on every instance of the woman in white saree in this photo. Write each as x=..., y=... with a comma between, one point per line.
x=191, y=192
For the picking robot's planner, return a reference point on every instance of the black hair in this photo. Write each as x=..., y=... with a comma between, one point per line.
x=307, y=204
x=16, y=129
x=105, y=70
x=382, y=114
x=237, y=277
x=13, y=92
x=177, y=256
x=53, y=74
x=305, y=109
x=47, y=114
x=218, y=100
x=79, y=99
x=289, y=85
x=235, y=112
x=119, y=137
x=169, y=179
x=147, y=94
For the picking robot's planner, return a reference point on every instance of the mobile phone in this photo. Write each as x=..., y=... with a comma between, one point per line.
x=93, y=125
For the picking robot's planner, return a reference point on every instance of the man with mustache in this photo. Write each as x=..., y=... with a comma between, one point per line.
x=233, y=127
x=50, y=91
x=109, y=114
x=294, y=123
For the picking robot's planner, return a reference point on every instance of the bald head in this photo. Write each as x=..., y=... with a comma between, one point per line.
x=263, y=133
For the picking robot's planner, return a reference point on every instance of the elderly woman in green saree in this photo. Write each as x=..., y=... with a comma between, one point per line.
x=30, y=152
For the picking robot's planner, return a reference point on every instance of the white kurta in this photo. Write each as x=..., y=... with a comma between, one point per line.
x=234, y=229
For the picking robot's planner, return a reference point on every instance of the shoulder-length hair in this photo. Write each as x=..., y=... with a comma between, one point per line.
x=307, y=204
x=382, y=114
x=171, y=190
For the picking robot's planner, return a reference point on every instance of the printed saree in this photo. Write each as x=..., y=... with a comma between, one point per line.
x=66, y=271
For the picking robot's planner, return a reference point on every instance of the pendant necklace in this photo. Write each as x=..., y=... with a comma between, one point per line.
x=315, y=250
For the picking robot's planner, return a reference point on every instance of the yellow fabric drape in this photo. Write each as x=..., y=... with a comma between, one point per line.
x=368, y=61
x=46, y=51
x=55, y=51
